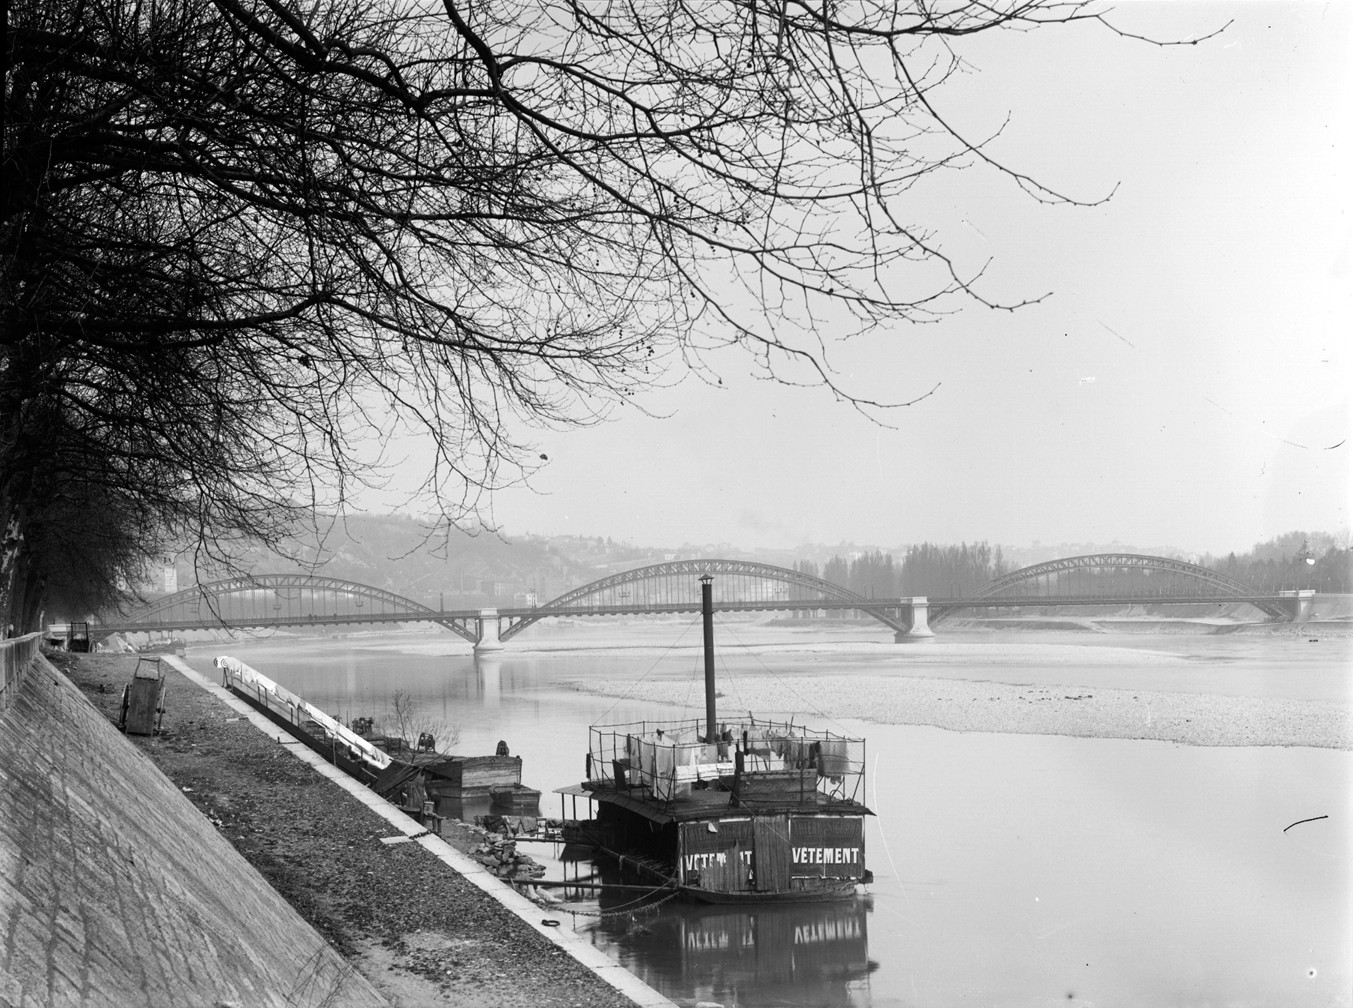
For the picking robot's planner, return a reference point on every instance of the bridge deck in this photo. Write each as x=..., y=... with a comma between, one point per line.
x=280, y=600
x=892, y=606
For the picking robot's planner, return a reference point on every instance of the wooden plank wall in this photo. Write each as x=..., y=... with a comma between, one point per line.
x=827, y=833
x=773, y=860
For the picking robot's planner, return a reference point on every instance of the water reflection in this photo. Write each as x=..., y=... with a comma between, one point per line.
x=471, y=809
x=489, y=675
x=777, y=955
x=1010, y=870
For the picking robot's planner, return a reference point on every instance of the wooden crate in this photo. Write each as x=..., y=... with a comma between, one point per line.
x=772, y=787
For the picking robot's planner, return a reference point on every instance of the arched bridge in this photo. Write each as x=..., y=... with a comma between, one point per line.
x=262, y=601
x=739, y=586
x=1115, y=579
x=279, y=600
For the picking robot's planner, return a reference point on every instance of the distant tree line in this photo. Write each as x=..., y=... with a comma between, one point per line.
x=926, y=569
x=1294, y=560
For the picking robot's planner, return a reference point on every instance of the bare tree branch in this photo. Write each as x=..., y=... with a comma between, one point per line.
x=245, y=241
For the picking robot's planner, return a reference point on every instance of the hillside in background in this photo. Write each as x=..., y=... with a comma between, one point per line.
x=463, y=570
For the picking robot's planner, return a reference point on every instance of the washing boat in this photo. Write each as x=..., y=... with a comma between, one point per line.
x=728, y=809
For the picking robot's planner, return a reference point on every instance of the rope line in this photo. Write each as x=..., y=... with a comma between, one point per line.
x=639, y=682
x=619, y=911
x=804, y=701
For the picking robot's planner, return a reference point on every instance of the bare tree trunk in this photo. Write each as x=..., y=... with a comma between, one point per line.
x=12, y=566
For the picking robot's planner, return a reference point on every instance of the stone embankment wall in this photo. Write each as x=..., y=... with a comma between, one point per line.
x=115, y=890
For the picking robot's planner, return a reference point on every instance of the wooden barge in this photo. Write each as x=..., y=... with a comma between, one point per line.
x=458, y=783
x=738, y=810
x=168, y=645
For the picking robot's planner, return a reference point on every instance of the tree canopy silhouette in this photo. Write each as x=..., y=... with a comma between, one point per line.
x=247, y=242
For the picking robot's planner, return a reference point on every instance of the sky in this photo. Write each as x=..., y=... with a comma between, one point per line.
x=1186, y=384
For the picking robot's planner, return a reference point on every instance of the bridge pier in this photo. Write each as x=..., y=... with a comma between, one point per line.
x=916, y=611
x=486, y=623
x=1299, y=604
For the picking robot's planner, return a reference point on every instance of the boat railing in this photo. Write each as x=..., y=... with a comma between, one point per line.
x=297, y=711
x=667, y=758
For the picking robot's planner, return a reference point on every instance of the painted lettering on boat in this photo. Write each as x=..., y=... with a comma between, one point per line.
x=694, y=862
x=826, y=855
x=825, y=931
x=718, y=940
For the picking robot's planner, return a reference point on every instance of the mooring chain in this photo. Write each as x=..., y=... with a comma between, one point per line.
x=629, y=913
x=608, y=913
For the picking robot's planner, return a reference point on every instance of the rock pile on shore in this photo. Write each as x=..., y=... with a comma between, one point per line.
x=498, y=851
x=500, y=856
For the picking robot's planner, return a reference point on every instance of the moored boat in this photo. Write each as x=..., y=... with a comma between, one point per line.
x=342, y=745
x=729, y=810
x=417, y=778
x=167, y=645
x=460, y=785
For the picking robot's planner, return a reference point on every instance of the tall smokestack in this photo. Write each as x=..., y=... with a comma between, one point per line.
x=707, y=614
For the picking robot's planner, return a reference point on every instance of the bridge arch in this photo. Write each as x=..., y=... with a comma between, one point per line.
x=1219, y=584
x=673, y=586
x=327, y=600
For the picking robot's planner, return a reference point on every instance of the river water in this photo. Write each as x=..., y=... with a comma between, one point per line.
x=1010, y=869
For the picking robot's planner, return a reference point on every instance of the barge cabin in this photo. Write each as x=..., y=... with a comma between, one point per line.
x=768, y=812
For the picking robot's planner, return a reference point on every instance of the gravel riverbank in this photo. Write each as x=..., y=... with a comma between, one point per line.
x=414, y=927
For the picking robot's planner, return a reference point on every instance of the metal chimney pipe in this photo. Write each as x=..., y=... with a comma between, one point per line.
x=707, y=614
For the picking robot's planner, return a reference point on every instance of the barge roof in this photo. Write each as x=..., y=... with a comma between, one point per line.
x=705, y=803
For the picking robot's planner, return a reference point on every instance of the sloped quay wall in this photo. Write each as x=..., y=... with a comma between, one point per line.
x=116, y=891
